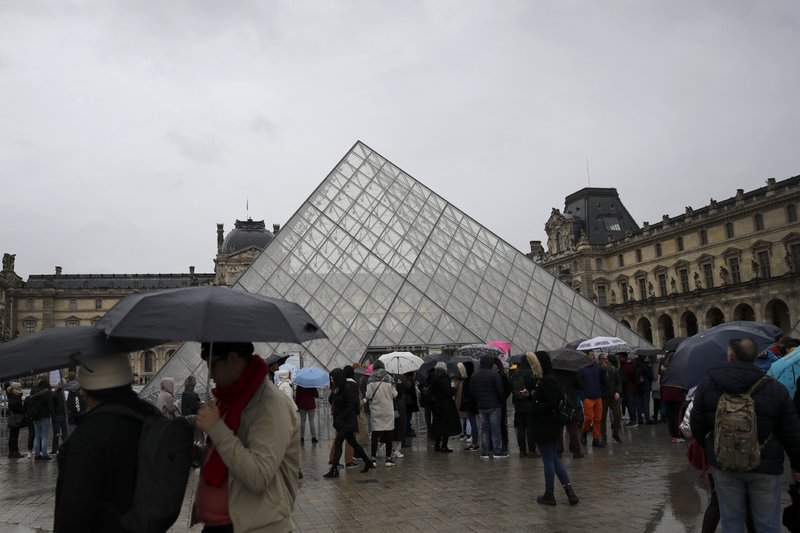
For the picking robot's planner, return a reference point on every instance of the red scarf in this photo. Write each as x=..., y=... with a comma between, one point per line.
x=231, y=401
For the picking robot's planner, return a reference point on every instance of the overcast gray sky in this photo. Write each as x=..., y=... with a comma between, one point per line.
x=128, y=129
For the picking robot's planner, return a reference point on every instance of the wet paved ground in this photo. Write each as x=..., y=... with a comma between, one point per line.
x=643, y=485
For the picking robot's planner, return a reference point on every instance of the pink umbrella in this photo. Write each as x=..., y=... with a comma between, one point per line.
x=368, y=372
x=503, y=345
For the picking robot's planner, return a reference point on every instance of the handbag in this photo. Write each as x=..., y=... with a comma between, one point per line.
x=16, y=420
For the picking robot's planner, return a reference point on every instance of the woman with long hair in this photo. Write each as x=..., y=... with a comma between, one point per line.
x=546, y=393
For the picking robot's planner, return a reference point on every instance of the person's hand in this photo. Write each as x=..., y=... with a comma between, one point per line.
x=523, y=392
x=795, y=476
x=207, y=416
x=616, y=396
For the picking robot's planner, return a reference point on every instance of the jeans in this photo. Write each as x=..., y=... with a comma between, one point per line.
x=552, y=466
x=490, y=428
x=764, y=493
x=307, y=413
x=42, y=428
x=473, y=428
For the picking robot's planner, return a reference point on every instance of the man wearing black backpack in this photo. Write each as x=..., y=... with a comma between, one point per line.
x=746, y=465
x=97, y=465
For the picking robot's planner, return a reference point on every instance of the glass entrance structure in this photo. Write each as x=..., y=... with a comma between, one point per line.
x=381, y=262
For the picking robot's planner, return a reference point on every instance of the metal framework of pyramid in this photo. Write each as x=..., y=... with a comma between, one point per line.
x=382, y=262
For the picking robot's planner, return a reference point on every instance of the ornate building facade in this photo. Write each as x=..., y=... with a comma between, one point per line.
x=735, y=259
x=64, y=300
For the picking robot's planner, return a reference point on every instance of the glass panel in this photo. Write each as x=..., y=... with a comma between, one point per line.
x=250, y=281
x=457, y=309
x=478, y=326
x=264, y=266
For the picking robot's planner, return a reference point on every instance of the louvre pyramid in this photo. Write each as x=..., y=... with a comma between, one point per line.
x=382, y=262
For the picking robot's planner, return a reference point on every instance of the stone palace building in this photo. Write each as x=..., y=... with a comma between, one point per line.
x=734, y=259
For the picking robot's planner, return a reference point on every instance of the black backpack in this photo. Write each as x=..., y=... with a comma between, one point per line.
x=565, y=410
x=165, y=458
x=75, y=405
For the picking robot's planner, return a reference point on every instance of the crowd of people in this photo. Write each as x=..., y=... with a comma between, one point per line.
x=248, y=437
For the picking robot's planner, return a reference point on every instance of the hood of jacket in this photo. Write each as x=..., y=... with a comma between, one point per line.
x=534, y=364
x=381, y=375
x=736, y=377
x=285, y=375
x=487, y=361
x=168, y=385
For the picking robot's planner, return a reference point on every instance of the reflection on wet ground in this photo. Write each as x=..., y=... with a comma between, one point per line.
x=643, y=485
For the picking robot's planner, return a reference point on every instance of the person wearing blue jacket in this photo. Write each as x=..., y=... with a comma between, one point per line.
x=486, y=390
x=591, y=379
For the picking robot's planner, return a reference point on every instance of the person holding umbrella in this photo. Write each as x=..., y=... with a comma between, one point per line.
x=249, y=476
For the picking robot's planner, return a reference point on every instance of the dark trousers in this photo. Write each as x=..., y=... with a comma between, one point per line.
x=574, y=444
x=524, y=430
x=610, y=404
x=673, y=412
x=656, y=408
x=387, y=438
x=351, y=440
x=31, y=435
x=13, y=440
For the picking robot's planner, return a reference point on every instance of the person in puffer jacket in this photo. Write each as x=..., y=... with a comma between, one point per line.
x=285, y=383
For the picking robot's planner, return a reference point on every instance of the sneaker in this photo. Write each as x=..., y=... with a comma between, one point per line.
x=502, y=455
x=397, y=455
x=677, y=440
x=484, y=456
x=472, y=448
x=389, y=462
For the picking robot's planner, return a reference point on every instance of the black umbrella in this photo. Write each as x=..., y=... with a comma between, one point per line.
x=516, y=359
x=574, y=344
x=55, y=348
x=672, y=344
x=568, y=359
x=647, y=352
x=708, y=349
x=276, y=358
x=209, y=314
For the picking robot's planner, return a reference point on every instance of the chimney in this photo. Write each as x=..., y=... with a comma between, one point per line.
x=536, y=249
x=220, y=238
x=58, y=271
x=276, y=228
x=191, y=270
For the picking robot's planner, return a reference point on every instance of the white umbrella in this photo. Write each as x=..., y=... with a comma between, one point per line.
x=401, y=362
x=600, y=342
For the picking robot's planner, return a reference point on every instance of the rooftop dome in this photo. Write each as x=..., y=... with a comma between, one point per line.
x=247, y=233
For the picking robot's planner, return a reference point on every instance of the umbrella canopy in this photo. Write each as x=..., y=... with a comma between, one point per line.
x=708, y=349
x=672, y=344
x=787, y=370
x=401, y=362
x=479, y=350
x=276, y=358
x=209, y=313
x=647, y=352
x=569, y=360
x=574, y=344
x=55, y=348
x=311, y=377
x=516, y=359
x=600, y=342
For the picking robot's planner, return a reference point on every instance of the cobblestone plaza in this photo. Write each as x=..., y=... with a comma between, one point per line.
x=643, y=485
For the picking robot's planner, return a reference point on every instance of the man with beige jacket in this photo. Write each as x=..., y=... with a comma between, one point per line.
x=248, y=481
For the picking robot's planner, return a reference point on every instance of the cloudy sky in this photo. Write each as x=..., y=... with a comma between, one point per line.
x=128, y=129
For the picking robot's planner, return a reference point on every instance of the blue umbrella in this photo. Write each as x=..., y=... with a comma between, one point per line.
x=786, y=370
x=708, y=349
x=311, y=377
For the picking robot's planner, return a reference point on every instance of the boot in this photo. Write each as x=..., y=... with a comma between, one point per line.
x=547, y=498
x=583, y=437
x=598, y=444
x=573, y=499
x=368, y=463
x=333, y=472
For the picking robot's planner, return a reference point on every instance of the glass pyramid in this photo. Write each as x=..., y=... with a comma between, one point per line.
x=382, y=262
